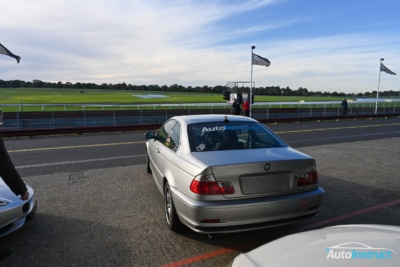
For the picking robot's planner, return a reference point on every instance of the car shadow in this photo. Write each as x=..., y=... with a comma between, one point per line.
x=49, y=240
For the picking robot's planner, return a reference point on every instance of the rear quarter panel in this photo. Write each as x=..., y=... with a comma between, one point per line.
x=177, y=169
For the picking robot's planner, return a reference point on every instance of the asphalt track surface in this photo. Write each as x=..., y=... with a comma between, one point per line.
x=99, y=207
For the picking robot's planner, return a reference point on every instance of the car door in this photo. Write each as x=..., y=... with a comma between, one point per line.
x=161, y=145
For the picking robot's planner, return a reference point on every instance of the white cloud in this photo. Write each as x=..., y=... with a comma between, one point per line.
x=189, y=42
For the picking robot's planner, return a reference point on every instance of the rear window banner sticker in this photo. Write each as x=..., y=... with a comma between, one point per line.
x=231, y=127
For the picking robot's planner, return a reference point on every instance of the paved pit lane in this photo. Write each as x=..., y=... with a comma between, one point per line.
x=114, y=216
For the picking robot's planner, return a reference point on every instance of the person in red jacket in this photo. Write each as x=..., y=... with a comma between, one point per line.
x=246, y=108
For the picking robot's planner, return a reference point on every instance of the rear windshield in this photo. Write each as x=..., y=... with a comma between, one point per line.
x=214, y=136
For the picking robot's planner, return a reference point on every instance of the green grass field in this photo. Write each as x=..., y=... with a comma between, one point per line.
x=72, y=96
x=25, y=97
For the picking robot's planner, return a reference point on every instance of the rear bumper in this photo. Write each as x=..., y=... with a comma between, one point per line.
x=246, y=214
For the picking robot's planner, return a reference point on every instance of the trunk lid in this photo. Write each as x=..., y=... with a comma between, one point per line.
x=260, y=172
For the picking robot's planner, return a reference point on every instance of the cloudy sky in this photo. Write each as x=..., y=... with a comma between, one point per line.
x=330, y=45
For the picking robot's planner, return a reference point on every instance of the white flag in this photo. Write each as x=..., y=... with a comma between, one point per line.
x=5, y=51
x=257, y=60
x=385, y=69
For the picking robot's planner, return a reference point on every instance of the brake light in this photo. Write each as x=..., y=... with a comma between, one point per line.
x=308, y=179
x=207, y=185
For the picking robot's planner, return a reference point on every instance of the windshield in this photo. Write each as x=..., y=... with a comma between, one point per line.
x=214, y=136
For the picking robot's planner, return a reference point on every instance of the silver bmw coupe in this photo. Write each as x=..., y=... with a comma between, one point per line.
x=224, y=173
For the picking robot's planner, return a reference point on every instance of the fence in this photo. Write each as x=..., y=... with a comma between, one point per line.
x=88, y=118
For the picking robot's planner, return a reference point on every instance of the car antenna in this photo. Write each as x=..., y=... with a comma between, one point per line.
x=226, y=119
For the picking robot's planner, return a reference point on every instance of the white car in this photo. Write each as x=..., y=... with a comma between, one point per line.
x=341, y=246
x=224, y=173
x=14, y=211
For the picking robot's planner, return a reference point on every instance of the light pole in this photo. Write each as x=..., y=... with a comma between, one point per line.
x=251, y=82
x=379, y=82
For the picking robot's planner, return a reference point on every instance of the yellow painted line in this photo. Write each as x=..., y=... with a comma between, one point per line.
x=338, y=128
x=72, y=147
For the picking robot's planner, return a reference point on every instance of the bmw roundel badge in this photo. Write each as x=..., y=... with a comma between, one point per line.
x=267, y=166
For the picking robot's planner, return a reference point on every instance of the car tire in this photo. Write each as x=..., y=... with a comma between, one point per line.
x=171, y=216
x=148, y=169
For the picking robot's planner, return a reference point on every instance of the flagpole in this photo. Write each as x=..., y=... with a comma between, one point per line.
x=250, y=97
x=379, y=83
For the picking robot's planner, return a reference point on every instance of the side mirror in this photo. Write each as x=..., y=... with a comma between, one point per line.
x=149, y=135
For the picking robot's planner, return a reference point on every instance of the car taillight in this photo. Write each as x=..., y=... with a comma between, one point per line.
x=207, y=185
x=308, y=179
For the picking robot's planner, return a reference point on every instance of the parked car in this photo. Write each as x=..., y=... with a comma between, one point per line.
x=342, y=245
x=221, y=174
x=14, y=211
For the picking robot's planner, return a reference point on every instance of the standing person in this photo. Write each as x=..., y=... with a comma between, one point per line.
x=236, y=106
x=8, y=172
x=344, y=106
x=10, y=175
x=246, y=108
x=12, y=178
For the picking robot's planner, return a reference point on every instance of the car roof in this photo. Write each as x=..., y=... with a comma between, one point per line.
x=189, y=119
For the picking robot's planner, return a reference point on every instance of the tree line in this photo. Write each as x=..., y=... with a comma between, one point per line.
x=268, y=90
